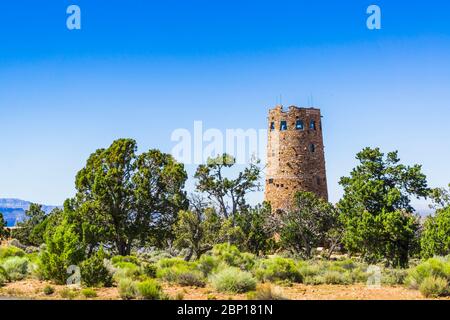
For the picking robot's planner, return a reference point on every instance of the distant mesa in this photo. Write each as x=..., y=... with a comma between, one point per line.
x=14, y=210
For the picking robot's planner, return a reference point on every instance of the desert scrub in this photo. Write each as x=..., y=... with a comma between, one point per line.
x=346, y=264
x=308, y=269
x=181, y=272
x=266, y=292
x=150, y=289
x=127, y=289
x=94, y=272
x=208, y=264
x=149, y=270
x=433, y=287
x=68, y=293
x=231, y=255
x=336, y=277
x=437, y=267
x=15, y=267
x=314, y=280
x=233, y=280
x=10, y=251
x=3, y=276
x=48, y=290
x=126, y=269
x=179, y=296
x=394, y=276
x=278, y=269
x=154, y=255
x=89, y=293
x=118, y=259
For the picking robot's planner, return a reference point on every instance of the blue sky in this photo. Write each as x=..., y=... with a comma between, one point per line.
x=142, y=69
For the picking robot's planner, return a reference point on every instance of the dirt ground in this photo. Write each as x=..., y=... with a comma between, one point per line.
x=33, y=289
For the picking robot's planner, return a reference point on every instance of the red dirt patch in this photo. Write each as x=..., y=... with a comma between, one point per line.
x=34, y=289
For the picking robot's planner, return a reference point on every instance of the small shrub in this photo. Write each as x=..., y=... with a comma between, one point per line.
x=191, y=278
x=150, y=270
x=94, y=272
x=89, y=293
x=278, y=269
x=126, y=270
x=266, y=292
x=181, y=272
x=231, y=255
x=118, y=259
x=3, y=277
x=15, y=267
x=394, y=276
x=347, y=264
x=336, y=277
x=179, y=296
x=48, y=290
x=437, y=267
x=170, y=262
x=127, y=289
x=68, y=293
x=433, y=287
x=207, y=264
x=233, y=280
x=11, y=251
x=308, y=270
x=314, y=280
x=149, y=290
x=14, y=292
x=358, y=275
x=154, y=255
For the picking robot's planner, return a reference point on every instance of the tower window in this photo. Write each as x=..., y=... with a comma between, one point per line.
x=271, y=181
x=272, y=126
x=318, y=181
x=312, y=125
x=312, y=147
x=283, y=126
x=299, y=125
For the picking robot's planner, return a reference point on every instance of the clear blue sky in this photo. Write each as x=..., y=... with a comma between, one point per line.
x=141, y=69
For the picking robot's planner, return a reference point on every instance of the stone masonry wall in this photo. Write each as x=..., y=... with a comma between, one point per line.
x=295, y=155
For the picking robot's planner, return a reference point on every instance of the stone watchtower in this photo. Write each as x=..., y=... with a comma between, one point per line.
x=295, y=155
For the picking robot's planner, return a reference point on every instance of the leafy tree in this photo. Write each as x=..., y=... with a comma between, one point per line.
x=435, y=239
x=123, y=197
x=252, y=223
x=376, y=212
x=3, y=231
x=31, y=230
x=227, y=194
x=440, y=198
x=306, y=225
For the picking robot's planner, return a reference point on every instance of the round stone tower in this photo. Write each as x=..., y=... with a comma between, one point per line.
x=295, y=155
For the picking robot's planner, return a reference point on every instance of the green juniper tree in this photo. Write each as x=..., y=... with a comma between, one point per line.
x=31, y=230
x=378, y=218
x=124, y=198
x=435, y=239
